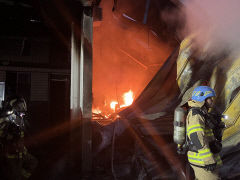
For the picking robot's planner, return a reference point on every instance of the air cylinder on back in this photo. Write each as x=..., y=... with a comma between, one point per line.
x=179, y=134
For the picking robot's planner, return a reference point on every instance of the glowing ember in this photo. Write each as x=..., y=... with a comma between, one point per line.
x=113, y=105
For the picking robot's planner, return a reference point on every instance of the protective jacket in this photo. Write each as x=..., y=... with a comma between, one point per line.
x=11, y=137
x=200, y=136
x=17, y=163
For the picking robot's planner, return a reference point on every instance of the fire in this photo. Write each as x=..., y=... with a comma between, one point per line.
x=97, y=111
x=127, y=99
x=113, y=105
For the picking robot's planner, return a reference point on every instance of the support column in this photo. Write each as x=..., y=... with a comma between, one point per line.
x=86, y=88
x=75, y=110
x=81, y=93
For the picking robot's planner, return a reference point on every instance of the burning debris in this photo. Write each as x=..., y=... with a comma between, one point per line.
x=128, y=56
x=110, y=110
x=130, y=146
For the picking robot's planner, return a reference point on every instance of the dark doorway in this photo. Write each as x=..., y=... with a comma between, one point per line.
x=59, y=98
x=24, y=85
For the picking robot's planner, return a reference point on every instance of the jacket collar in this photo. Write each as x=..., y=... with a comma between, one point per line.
x=193, y=103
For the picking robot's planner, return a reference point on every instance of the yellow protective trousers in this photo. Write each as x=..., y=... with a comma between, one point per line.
x=203, y=174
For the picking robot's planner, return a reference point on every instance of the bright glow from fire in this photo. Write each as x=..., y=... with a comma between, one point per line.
x=97, y=111
x=127, y=101
x=113, y=105
x=128, y=98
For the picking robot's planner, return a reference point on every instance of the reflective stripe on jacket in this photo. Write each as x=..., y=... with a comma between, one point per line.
x=203, y=135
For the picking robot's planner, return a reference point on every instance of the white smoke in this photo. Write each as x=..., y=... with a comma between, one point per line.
x=216, y=24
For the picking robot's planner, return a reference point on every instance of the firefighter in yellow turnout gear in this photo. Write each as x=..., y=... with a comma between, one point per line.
x=203, y=147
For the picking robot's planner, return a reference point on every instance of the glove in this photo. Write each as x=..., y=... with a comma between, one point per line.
x=215, y=146
x=211, y=167
x=182, y=149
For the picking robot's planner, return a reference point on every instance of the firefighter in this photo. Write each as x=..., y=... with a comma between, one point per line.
x=16, y=163
x=203, y=153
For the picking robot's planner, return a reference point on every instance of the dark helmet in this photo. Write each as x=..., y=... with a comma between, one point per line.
x=18, y=105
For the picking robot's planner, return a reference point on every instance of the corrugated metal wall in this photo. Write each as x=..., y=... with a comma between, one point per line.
x=39, y=86
x=2, y=76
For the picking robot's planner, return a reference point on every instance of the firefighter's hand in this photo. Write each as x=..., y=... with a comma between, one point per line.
x=215, y=146
x=211, y=167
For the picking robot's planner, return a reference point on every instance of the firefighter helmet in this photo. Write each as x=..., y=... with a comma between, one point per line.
x=18, y=105
x=201, y=93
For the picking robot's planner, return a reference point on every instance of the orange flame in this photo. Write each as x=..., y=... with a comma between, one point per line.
x=127, y=98
x=97, y=111
x=113, y=105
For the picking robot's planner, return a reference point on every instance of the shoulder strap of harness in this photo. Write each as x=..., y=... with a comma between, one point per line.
x=197, y=110
x=208, y=122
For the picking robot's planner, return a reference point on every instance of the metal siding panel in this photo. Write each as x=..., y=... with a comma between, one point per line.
x=39, y=86
x=2, y=76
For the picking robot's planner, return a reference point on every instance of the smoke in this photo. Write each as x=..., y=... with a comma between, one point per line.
x=214, y=24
